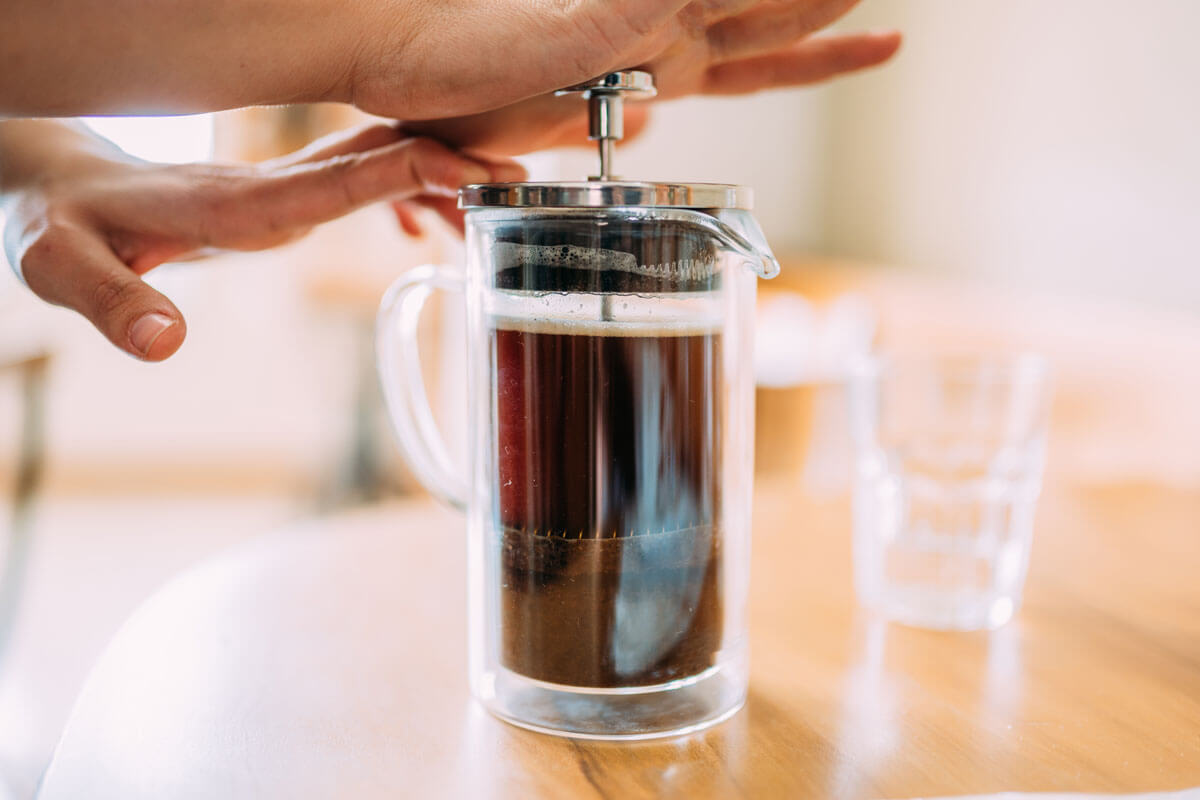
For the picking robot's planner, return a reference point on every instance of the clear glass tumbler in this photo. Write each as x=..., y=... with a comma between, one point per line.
x=950, y=456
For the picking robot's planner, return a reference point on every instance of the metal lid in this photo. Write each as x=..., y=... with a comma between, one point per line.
x=605, y=194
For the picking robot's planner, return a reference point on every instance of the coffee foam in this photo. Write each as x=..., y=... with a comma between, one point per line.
x=507, y=255
x=623, y=328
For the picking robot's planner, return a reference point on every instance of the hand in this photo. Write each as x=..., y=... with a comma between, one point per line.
x=404, y=59
x=82, y=238
x=712, y=47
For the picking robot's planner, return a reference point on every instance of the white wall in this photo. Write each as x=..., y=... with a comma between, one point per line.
x=1047, y=142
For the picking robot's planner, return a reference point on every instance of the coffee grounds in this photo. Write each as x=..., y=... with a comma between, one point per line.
x=629, y=611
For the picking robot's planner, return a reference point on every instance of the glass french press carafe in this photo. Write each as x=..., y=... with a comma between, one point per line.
x=611, y=430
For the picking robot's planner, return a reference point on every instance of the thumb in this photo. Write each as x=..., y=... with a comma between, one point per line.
x=70, y=266
x=299, y=196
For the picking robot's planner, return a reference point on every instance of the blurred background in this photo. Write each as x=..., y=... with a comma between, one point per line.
x=1036, y=157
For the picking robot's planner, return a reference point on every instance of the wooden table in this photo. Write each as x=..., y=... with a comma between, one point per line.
x=329, y=661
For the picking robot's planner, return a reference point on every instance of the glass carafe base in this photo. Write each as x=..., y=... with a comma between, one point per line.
x=645, y=712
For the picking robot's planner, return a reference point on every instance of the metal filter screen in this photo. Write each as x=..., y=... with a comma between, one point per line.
x=607, y=257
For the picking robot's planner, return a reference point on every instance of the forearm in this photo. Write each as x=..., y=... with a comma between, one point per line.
x=73, y=57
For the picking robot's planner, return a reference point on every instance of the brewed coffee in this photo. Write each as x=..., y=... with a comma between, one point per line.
x=608, y=439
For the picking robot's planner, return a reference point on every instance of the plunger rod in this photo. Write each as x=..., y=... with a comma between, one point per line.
x=606, y=125
x=606, y=159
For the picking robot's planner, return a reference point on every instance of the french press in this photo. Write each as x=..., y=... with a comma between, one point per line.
x=611, y=430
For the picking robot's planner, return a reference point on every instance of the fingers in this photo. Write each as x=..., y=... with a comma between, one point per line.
x=642, y=16
x=700, y=14
x=448, y=210
x=351, y=140
x=408, y=210
x=771, y=26
x=258, y=212
x=811, y=61
x=69, y=265
x=539, y=123
x=526, y=126
x=408, y=214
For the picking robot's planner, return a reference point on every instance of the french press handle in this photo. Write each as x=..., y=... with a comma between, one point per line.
x=606, y=115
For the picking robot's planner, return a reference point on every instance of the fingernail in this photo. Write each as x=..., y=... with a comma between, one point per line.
x=147, y=329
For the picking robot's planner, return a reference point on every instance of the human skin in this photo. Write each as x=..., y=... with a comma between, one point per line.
x=86, y=221
x=691, y=68
x=403, y=59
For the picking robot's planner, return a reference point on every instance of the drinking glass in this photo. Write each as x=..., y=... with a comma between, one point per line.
x=950, y=455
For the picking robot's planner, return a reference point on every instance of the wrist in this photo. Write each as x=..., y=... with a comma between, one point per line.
x=377, y=79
